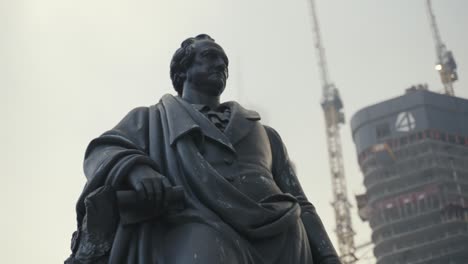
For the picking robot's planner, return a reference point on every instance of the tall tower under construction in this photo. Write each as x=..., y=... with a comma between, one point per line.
x=413, y=153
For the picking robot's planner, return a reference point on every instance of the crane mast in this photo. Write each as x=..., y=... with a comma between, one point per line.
x=334, y=117
x=445, y=64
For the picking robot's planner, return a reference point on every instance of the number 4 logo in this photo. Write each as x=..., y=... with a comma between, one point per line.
x=405, y=122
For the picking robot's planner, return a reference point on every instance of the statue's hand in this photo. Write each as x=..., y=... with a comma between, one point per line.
x=149, y=185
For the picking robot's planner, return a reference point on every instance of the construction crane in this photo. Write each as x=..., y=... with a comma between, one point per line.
x=334, y=117
x=445, y=64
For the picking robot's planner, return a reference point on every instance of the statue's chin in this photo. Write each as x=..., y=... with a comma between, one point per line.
x=214, y=87
x=215, y=91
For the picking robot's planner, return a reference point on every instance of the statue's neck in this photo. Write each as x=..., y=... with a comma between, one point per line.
x=193, y=96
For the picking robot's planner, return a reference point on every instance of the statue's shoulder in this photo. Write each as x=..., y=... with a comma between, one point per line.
x=144, y=110
x=139, y=110
x=137, y=113
x=275, y=139
x=243, y=111
x=272, y=133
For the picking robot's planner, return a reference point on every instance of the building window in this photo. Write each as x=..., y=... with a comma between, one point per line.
x=452, y=139
x=383, y=130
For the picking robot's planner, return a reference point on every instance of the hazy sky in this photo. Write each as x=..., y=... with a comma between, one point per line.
x=70, y=70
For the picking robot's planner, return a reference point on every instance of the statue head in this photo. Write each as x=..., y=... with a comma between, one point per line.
x=201, y=61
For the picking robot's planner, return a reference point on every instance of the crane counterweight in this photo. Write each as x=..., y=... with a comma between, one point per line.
x=445, y=65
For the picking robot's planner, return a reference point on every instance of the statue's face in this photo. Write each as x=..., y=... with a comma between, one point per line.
x=208, y=70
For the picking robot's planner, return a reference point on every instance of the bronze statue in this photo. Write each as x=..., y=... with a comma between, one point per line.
x=193, y=180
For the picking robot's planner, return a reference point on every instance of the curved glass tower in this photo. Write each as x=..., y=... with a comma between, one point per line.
x=413, y=153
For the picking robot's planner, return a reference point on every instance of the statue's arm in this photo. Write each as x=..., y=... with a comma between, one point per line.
x=127, y=138
x=116, y=160
x=120, y=158
x=285, y=177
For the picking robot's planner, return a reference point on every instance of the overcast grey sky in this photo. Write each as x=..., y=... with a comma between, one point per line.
x=69, y=70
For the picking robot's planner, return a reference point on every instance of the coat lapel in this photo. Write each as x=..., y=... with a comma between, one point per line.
x=183, y=118
x=240, y=123
x=179, y=121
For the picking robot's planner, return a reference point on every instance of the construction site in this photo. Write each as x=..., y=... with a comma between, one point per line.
x=412, y=151
x=370, y=98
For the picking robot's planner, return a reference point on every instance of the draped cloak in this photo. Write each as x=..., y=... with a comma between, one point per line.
x=166, y=138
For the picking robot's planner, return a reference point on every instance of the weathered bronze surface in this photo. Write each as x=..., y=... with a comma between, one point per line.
x=193, y=180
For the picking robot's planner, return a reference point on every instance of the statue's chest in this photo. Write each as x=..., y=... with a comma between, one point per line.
x=251, y=151
x=249, y=167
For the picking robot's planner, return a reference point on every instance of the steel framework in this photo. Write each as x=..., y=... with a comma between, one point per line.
x=445, y=64
x=334, y=117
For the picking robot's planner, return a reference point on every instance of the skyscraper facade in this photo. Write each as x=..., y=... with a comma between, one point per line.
x=413, y=153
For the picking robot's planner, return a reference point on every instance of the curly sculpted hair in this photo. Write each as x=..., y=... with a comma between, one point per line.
x=182, y=60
